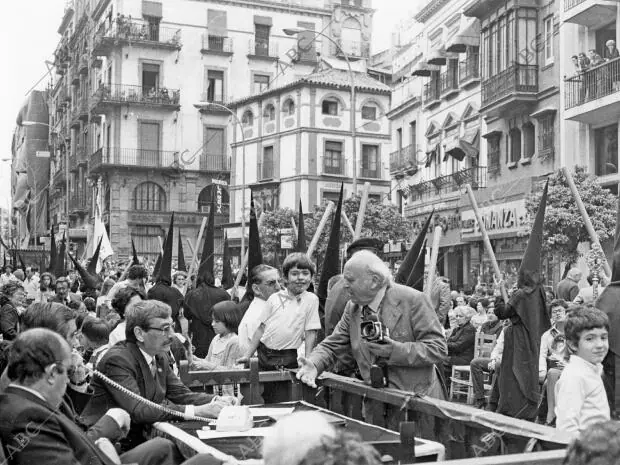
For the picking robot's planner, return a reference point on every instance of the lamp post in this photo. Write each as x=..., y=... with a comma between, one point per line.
x=236, y=118
x=294, y=32
x=37, y=123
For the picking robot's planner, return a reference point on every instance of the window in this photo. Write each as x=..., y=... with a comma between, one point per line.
x=494, y=154
x=149, y=139
x=370, y=161
x=548, y=38
x=265, y=170
x=248, y=118
x=515, y=145
x=213, y=152
x=369, y=112
x=215, y=86
x=399, y=138
x=261, y=39
x=413, y=135
x=331, y=197
x=332, y=161
x=153, y=27
x=289, y=107
x=269, y=113
x=546, y=135
x=261, y=83
x=606, y=150
x=145, y=238
x=150, y=78
x=149, y=196
x=529, y=140
x=330, y=107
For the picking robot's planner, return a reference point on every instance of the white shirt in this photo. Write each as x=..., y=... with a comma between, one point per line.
x=112, y=292
x=250, y=323
x=287, y=317
x=498, y=348
x=31, y=286
x=580, y=396
x=118, y=334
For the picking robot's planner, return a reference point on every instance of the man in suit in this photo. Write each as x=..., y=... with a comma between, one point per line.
x=140, y=364
x=568, y=288
x=33, y=428
x=415, y=343
x=63, y=295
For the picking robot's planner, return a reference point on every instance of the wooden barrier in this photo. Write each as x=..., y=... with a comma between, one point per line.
x=552, y=457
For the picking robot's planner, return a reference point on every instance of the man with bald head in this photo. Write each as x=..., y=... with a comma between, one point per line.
x=415, y=343
x=568, y=288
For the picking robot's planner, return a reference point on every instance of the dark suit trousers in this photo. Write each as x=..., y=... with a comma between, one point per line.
x=478, y=367
x=158, y=451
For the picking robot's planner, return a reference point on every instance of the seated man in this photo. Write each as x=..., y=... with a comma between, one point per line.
x=34, y=429
x=481, y=365
x=140, y=365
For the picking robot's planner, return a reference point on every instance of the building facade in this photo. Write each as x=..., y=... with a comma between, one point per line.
x=140, y=104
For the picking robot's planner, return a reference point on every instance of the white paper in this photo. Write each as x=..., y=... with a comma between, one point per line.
x=212, y=434
x=273, y=412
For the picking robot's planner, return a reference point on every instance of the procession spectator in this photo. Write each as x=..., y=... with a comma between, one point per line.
x=63, y=295
x=481, y=365
x=103, y=304
x=12, y=297
x=597, y=445
x=96, y=335
x=581, y=398
x=125, y=297
x=136, y=277
x=595, y=58
x=586, y=294
x=7, y=275
x=440, y=298
x=461, y=341
x=568, y=288
x=493, y=326
x=584, y=62
x=611, y=52
x=31, y=285
x=480, y=317
x=47, y=288
x=178, y=281
x=346, y=448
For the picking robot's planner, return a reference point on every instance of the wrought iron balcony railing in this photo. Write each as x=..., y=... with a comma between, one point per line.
x=214, y=162
x=431, y=92
x=351, y=48
x=135, y=31
x=404, y=159
x=143, y=95
x=216, y=44
x=516, y=79
x=138, y=158
x=373, y=173
x=592, y=84
x=265, y=170
x=263, y=49
x=78, y=202
x=568, y=4
x=448, y=82
x=476, y=177
x=469, y=69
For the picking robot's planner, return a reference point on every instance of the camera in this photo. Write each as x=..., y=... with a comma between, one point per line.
x=374, y=331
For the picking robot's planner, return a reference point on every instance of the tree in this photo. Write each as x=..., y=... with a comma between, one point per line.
x=564, y=228
x=381, y=221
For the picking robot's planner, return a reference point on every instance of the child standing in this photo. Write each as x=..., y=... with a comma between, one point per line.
x=224, y=348
x=581, y=400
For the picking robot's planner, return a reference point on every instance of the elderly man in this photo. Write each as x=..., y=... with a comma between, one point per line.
x=568, y=288
x=415, y=343
x=34, y=429
x=140, y=365
x=63, y=294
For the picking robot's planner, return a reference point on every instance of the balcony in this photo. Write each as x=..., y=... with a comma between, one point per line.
x=365, y=172
x=352, y=49
x=108, y=97
x=83, y=64
x=116, y=157
x=448, y=83
x=263, y=50
x=405, y=159
x=476, y=177
x=590, y=13
x=136, y=33
x=216, y=45
x=265, y=171
x=214, y=163
x=469, y=70
x=516, y=84
x=78, y=203
x=59, y=179
x=593, y=96
x=430, y=95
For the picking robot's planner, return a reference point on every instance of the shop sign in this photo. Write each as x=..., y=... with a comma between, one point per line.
x=509, y=217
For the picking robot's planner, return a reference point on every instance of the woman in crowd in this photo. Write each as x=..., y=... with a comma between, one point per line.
x=46, y=288
x=480, y=317
x=611, y=52
x=461, y=341
x=12, y=297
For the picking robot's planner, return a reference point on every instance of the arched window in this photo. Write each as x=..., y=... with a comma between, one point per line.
x=149, y=196
x=289, y=107
x=209, y=194
x=248, y=118
x=269, y=113
x=329, y=106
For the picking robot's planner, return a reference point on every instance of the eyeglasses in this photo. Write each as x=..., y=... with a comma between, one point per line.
x=271, y=283
x=163, y=329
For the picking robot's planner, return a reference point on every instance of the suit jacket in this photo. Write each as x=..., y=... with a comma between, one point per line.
x=9, y=321
x=199, y=305
x=125, y=364
x=337, y=298
x=32, y=431
x=413, y=325
x=568, y=290
x=440, y=298
x=461, y=345
x=72, y=297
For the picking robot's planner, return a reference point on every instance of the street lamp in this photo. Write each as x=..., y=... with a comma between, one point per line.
x=236, y=118
x=37, y=123
x=294, y=32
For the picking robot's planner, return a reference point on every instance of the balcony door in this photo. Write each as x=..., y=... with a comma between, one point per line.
x=149, y=138
x=213, y=152
x=150, y=79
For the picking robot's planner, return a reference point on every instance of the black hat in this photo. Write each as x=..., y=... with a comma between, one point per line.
x=181, y=256
x=365, y=243
x=52, y=265
x=91, y=281
x=301, y=231
x=135, y=260
x=207, y=262
x=165, y=269
x=92, y=264
x=227, y=275
x=60, y=259
x=255, y=253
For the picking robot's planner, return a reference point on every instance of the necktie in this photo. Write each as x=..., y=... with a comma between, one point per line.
x=153, y=367
x=368, y=314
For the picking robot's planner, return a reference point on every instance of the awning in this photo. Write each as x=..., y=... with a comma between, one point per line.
x=152, y=9
x=467, y=35
x=423, y=69
x=437, y=57
x=263, y=20
x=466, y=146
x=430, y=154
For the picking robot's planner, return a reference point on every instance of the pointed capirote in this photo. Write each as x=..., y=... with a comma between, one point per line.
x=301, y=231
x=331, y=261
x=60, y=259
x=135, y=260
x=405, y=268
x=416, y=277
x=90, y=281
x=165, y=269
x=228, y=280
x=181, y=255
x=255, y=253
x=92, y=264
x=530, y=263
x=53, y=252
x=207, y=261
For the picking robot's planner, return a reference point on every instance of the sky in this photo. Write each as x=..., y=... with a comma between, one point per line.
x=29, y=37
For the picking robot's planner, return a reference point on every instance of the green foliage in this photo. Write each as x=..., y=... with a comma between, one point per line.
x=381, y=221
x=564, y=228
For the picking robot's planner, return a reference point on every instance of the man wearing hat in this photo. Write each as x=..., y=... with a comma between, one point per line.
x=337, y=296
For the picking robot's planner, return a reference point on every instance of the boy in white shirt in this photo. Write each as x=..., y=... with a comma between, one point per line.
x=580, y=393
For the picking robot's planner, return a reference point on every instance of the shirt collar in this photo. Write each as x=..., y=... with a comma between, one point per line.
x=101, y=349
x=374, y=305
x=27, y=389
x=290, y=296
x=595, y=367
x=147, y=357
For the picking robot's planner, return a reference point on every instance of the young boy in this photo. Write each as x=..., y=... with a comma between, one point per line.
x=580, y=393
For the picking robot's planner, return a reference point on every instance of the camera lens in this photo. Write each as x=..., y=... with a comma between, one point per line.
x=368, y=330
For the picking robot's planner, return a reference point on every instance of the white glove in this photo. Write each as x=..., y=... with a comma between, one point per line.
x=121, y=417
